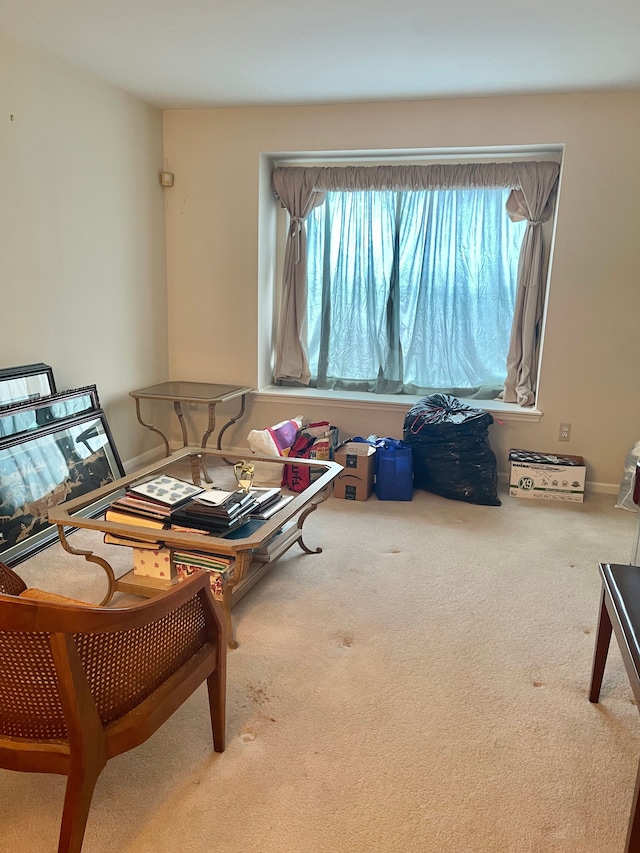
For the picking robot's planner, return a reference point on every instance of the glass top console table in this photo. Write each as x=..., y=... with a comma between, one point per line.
x=195, y=393
x=281, y=531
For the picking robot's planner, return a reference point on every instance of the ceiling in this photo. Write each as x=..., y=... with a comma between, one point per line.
x=268, y=52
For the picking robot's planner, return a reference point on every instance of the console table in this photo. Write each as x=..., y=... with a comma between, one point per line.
x=197, y=464
x=195, y=393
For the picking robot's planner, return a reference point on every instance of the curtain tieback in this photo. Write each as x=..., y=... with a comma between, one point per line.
x=295, y=229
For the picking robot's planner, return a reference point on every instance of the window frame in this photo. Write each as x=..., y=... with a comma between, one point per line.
x=274, y=256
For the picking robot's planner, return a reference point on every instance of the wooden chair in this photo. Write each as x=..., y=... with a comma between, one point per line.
x=81, y=684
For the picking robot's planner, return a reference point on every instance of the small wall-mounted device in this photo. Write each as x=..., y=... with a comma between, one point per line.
x=166, y=179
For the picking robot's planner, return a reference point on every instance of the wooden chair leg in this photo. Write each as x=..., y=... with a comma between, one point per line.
x=77, y=802
x=603, y=639
x=633, y=832
x=217, y=706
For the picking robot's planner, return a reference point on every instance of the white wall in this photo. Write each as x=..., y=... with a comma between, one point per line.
x=590, y=370
x=82, y=244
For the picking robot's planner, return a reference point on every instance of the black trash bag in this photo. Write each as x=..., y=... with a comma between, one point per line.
x=452, y=456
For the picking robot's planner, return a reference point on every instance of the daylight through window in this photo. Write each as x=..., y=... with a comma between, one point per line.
x=409, y=292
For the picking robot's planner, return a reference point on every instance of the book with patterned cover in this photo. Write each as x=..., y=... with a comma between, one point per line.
x=167, y=491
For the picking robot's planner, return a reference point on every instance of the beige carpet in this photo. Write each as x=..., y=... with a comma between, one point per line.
x=420, y=686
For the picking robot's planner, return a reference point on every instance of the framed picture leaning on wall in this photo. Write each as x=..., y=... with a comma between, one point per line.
x=28, y=415
x=26, y=382
x=43, y=467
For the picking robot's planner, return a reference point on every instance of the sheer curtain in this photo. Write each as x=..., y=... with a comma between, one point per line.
x=412, y=292
x=399, y=368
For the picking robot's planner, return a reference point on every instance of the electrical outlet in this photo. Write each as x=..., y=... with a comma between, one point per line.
x=565, y=432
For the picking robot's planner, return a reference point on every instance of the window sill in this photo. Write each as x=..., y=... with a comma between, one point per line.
x=388, y=402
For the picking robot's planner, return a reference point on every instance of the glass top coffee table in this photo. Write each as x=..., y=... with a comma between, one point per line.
x=282, y=530
x=196, y=393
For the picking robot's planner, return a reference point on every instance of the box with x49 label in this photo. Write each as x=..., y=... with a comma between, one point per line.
x=546, y=476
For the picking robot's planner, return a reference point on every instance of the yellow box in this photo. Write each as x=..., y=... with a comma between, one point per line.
x=153, y=563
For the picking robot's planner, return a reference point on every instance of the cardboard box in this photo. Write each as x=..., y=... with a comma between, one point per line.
x=546, y=476
x=153, y=563
x=355, y=481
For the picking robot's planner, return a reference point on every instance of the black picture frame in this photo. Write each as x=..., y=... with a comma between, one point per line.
x=44, y=467
x=26, y=382
x=18, y=418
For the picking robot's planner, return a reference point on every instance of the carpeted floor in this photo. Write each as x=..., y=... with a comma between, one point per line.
x=419, y=687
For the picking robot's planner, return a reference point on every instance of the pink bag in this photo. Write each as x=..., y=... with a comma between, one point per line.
x=283, y=435
x=315, y=441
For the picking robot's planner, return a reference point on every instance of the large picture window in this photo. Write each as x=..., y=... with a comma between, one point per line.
x=411, y=292
x=413, y=278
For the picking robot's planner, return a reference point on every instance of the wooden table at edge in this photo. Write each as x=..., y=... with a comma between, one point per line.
x=245, y=575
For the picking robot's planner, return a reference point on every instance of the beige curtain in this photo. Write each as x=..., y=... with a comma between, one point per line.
x=296, y=191
x=533, y=202
x=300, y=189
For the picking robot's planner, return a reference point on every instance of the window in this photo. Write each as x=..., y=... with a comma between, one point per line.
x=419, y=275
x=411, y=292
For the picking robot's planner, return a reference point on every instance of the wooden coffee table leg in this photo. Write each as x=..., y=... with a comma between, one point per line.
x=319, y=498
x=91, y=558
x=242, y=563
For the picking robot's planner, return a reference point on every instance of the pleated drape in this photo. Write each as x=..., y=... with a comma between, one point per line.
x=297, y=193
x=533, y=202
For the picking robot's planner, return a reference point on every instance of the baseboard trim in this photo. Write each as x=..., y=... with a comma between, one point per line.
x=602, y=488
x=146, y=458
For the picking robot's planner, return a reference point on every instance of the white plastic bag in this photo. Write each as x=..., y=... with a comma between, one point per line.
x=625, y=494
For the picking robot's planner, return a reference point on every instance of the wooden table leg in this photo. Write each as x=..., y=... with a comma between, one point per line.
x=242, y=563
x=603, y=639
x=211, y=425
x=152, y=428
x=225, y=427
x=91, y=558
x=319, y=498
x=633, y=830
x=177, y=408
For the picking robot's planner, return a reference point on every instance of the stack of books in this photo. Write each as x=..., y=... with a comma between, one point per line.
x=169, y=503
x=220, y=568
x=148, y=504
x=269, y=502
x=215, y=511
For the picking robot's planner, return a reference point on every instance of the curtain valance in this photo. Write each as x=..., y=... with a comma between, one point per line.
x=433, y=176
